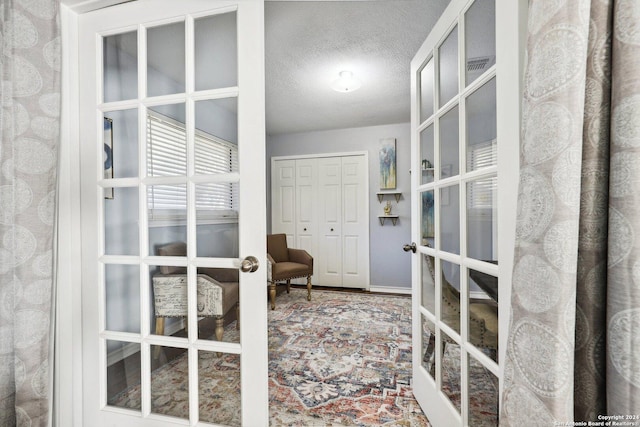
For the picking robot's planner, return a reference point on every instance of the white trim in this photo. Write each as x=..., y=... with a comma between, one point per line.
x=512, y=16
x=67, y=405
x=319, y=156
x=390, y=290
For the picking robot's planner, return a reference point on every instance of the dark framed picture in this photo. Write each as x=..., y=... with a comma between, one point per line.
x=108, y=155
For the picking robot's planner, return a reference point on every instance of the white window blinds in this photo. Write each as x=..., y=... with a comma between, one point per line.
x=167, y=156
x=481, y=192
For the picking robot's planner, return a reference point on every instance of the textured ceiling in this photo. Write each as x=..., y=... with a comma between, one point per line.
x=309, y=42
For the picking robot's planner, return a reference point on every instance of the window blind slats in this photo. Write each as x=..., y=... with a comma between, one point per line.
x=481, y=193
x=167, y=156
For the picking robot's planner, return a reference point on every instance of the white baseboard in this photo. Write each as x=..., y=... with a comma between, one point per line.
x=390, y=290
x=122, y=353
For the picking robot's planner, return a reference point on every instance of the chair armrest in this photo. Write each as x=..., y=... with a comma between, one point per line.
x=301, y=257
x=221, y=274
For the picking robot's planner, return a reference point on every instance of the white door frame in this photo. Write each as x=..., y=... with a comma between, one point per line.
x=511, y=18
x=67, y=388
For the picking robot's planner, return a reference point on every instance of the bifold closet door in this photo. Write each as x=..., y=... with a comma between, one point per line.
x=355, y=224
x=329, y=270
x=283, y=199
x=306, y=206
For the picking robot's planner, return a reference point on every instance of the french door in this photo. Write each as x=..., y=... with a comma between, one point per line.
x=465, y=114
x=173, y=214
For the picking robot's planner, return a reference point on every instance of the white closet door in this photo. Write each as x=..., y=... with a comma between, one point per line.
x=307, y=205
x=283, y=193
x=329, y=265
x=355, y=223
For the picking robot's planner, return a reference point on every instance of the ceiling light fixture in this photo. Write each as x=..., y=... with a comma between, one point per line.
x=346, y=82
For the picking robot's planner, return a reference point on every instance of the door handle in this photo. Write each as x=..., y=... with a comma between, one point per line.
x=249, y=264
x=411, y=247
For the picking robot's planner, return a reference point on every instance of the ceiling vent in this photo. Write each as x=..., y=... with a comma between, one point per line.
x=480, y=64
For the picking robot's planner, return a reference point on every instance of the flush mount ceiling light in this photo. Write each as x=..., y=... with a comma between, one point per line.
x=346, y=82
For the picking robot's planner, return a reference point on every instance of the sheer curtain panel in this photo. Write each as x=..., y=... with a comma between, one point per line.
x=29, y=122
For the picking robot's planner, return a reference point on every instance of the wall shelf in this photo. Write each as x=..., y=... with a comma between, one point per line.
x=381, y=195
x=383, y=218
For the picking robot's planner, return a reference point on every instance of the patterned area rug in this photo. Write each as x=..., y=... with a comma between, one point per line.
x=343, y=359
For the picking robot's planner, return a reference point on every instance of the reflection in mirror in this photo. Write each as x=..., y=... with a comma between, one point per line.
x=217, y=220
x=167, y=207
x=449, y=144
x=427, y=218
x=121, y=143
x=450, y=291
x=123, y=374
x=449, y=67
x=428, y=347
x=426, y=91
x=428, y=283
x=218, y=304
x=216, y=139
x=482, y=219
x=483, y=312
x=216, y=56
x=170, y=299
x=480, y=38
x=450, y=371
x=122, y=298
x=427, y=155
x=450, y=219
x=481, y=127
x=121, y=222
x=169, y=381
x=166, y=140
x=120, y=66
x=165, y=59
x=483, y=395
x=219, y=388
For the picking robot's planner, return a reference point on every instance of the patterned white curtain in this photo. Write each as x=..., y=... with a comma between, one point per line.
x=29, y=126
x=574, y=340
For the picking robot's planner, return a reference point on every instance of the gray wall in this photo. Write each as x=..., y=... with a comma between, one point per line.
x=389, y=265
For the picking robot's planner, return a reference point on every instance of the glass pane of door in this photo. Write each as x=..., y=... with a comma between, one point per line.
x=480, y=38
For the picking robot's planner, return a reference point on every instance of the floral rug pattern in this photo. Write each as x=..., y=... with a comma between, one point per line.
x=342, y=359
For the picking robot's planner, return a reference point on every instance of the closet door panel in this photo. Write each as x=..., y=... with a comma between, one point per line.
x=283, y=191
x=330, y=221
x=355, y=228
x=307, y=208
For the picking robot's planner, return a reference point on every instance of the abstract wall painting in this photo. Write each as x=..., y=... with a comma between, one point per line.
x=388, y=164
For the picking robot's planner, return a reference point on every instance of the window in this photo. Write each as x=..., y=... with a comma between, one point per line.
x=167, y=156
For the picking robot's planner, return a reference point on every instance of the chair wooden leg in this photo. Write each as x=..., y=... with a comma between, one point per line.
x=272, y=295
x=159, y=331
x=238, y=316
x=308, y=288
x=288, y=285
x=219, y=328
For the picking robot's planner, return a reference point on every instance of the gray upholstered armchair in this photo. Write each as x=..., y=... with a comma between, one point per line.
x=286, y=264
x=218, y=291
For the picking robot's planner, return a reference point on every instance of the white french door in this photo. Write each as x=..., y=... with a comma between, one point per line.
x=173, y=168
x=465, y=85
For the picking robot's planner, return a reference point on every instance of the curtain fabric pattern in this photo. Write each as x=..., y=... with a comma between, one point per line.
x=573, y=349
x=29, y=122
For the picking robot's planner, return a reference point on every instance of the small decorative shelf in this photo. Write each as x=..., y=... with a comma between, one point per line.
x=381, y=195
x=383, y=218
